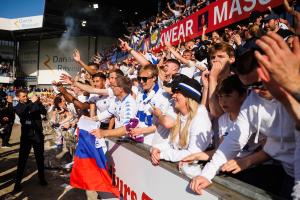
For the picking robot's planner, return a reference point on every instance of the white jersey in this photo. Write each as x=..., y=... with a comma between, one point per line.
x=102, y=103
x=144, y=114
x=123, y=110
x=188, y=69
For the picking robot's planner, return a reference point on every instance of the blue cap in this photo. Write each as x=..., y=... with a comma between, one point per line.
x=270, y=16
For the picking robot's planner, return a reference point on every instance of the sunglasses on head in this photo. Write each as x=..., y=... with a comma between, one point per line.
x=144, y=79
x=256, y=85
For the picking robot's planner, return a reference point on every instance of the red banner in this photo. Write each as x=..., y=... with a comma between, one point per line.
x=215, y=16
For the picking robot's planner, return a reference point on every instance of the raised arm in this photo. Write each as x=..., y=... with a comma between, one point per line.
x=168, y=4
x=176, y=54
x=70, y=98
x=90, y=89
x=204, y=79
x=77, y=58
x=214, y=106
x=139, y=58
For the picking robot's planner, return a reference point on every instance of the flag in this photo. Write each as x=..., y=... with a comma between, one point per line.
x=89, y=171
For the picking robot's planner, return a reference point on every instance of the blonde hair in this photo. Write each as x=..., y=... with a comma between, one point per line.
x=254, y=30
x=183, y=135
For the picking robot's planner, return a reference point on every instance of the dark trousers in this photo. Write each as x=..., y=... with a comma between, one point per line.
x=25, y=147
x=6, y=133
x=269, y=177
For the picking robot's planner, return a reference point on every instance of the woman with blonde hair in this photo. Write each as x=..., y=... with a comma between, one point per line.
x=191, y=130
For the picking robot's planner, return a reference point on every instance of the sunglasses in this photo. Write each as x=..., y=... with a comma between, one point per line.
x=256, y=85
x=175, y=90
x=175, y=75
x=144, y=79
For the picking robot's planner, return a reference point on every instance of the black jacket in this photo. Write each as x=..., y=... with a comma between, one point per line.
x=7, y=111
x=30, y=117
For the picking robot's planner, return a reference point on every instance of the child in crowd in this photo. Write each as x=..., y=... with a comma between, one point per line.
x=231, y=95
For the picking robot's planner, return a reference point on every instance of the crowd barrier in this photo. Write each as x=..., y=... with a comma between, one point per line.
x=138, y=179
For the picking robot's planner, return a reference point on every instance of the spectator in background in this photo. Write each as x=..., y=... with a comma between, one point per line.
x=188, y=66
x=176, y=12
x=271, y=23
x=7, y=117
x=255, y=18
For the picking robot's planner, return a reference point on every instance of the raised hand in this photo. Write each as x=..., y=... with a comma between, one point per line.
x=66, y=79
x=76, y=55
x=57, y=84
x=124, y=45
x=280, y=61
x=97, y=58
x=296, y=15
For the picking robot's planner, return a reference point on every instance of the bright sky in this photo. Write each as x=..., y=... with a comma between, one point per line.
x=21, y=8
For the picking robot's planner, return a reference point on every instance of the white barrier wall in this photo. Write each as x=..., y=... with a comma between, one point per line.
x=138, y=179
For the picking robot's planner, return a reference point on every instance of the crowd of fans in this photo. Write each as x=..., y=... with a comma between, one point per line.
x=5, y=68
x=173, y=12
x=223, y=100
x=230, y=101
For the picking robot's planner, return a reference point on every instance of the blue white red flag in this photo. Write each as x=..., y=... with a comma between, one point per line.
x=89, y=171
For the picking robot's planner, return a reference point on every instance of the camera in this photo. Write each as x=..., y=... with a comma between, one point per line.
x=201, y=52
